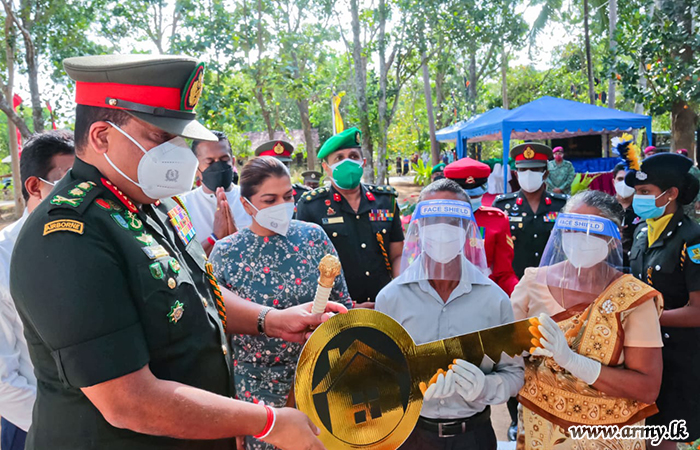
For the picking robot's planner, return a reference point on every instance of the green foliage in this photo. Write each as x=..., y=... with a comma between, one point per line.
x=423, y=173
x=582, y=182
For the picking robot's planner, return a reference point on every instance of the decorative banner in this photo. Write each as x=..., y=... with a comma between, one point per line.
x=338, y=126
x=358, y=376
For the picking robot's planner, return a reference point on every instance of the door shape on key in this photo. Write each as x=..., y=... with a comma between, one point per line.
x=358, y=375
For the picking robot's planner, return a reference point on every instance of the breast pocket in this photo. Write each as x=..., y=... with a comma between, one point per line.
x=169, y=302
x=336, y=230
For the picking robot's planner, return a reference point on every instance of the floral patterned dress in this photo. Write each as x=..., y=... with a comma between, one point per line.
x=279, y=272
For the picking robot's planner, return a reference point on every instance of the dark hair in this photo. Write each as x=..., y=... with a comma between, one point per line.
x=257, y=170
x=38, y=153
x=443, y=185
x=608, y=206
x=618, y=167
x=85, y=116
x=688, y=189
x=219, y=135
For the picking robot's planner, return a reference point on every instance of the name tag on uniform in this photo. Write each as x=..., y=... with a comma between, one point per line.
x=332, y=220
x=182, y=224
x=515, y=219
x=381, y=215
x=155, y=251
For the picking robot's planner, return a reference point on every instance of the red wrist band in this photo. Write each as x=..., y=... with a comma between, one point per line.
x=268, y=425
x=211, y=240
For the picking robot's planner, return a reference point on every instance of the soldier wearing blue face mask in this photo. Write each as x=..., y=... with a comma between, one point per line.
x=666, y=255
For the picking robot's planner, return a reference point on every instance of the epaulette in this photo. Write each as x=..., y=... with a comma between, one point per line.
x=315, y=194
x=490, y=210
x=76, y=197
x=503, y=197
x=564, y=197
x=381, y=189
x=301, y=187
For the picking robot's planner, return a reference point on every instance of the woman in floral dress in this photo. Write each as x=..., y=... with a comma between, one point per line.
x=277, y=269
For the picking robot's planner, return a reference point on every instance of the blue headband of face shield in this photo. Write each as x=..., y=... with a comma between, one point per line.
x=443, y=208
x=587, y=224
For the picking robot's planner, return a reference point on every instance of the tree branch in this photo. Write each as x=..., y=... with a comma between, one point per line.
x=486, y=62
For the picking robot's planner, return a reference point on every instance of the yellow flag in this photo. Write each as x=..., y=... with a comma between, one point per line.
x=337, y=119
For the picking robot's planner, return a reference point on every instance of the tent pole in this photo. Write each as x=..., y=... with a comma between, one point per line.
x=506, y=152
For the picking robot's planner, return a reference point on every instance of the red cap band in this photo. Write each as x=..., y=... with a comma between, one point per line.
x=96, y=94
x=275, y=154
x=537, y=157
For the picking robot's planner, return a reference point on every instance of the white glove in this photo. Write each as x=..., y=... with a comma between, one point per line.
x=556, y=347
x=443, y=387
x=469, y=380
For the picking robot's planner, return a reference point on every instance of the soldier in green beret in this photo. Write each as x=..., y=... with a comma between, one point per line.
x=362, y=220
x=125, y=321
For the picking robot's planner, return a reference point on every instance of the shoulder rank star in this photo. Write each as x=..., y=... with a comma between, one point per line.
x=176, y=312
x=60, y=200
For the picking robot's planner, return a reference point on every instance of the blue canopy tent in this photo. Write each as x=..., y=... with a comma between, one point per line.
x=547, y=118
x=458, y=132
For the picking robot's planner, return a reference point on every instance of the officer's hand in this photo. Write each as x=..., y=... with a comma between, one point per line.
x=294, y=430
x=296, y=323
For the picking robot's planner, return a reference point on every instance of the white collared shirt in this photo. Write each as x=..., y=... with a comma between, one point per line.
x=476, y=303
x=202, y=206
x=17, y=380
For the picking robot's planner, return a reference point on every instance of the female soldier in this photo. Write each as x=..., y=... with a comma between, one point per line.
x=666, y=255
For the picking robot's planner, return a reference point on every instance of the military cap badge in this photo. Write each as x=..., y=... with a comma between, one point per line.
x=278, y=149
x=193, y=89
x=641, y=176
x=529, y=153
x=358, y=138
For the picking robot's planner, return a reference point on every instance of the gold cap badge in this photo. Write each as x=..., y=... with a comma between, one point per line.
x=278, y=149
x=529, y=153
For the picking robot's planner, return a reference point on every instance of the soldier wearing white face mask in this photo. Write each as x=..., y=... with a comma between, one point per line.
x=444, y=291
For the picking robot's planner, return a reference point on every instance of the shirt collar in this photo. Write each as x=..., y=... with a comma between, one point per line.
x=473, y=274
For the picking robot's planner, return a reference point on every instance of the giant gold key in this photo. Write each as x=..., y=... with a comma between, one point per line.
x=361, y=378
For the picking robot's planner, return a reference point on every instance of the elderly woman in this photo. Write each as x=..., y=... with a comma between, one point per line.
x=601, y=358
x=274, y=262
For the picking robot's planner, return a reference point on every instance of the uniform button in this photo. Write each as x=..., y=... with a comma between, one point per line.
x=657, y=267
x=363, y=245
x=367, y=273
x=537, y=254
x=335, y=234
x=535, y=236
x=442, y=402
x=669, y=233
x=535, y=216
x=666, y=335
x=224, y=350
x=368, y=299
x=204, y=302
x=384, y=230
x=512, y=227
x=357, y=217
x=172, y=284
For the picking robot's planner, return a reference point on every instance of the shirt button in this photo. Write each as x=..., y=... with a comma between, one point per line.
x=537, y=254
x=363, y=245
x=442, y=402
x=512, y=227
x=666, y=335
x=384, y=230
x=657, y=267
x=669, y=233
x=535, y=216
x=335, y=234
x=357, y=217
x=367, y=273
x=224, y=350
x=368, y=299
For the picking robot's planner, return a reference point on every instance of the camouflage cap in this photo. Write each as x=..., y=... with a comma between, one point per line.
x=161, y=90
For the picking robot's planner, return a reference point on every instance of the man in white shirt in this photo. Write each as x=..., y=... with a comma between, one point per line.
x=45, y=159
x=215, y=207
x=444, y=291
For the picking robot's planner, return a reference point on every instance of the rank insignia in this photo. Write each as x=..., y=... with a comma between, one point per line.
x=370, y=196
x=182, y=224
x=145, y=238
x=380, y=215
x=134, y=222
x=120, y=195
x=64, y=225
x=336, y=197
x=694, y=253
x=86, y=186
x=60, y=200
x=120, y=220
x=102, y=203
x=328, y=203
x=75, y=192
x=176, y=312
x=193, y=89
x=330, y=211
x=155, y=251
x=156, y=271
x=174, y=265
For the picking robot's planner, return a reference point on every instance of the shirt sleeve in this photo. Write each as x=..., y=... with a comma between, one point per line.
x=519, y=298
x=91, y=324
x=641, y=326
x=396, y=228
x=503, y=273
x=17, y=394
x=691, y=269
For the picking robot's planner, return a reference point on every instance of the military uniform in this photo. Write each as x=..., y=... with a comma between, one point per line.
x=282, y=150
x=361, y=237
x=105, y=289
x=671, y=264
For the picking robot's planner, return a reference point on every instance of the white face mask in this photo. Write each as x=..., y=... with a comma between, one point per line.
x=623, y=190
x=165, y=170
x=275, y=218
x=443, y=242
x=530, y=180
x=584, y=250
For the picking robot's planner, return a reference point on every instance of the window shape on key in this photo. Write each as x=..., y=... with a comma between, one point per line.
x=367, y=402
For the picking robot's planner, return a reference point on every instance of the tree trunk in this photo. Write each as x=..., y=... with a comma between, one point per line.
x=303, y=106
x=11, y=130
x=381, y=104
x=589, y=64
x=612, y=5
x=472, y=82
x=33, y=74
x=434, y=146
x=683, y=124
x=361, y=87
x=504, y=73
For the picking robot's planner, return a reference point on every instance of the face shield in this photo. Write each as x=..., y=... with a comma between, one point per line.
x=583, y=254
x=442, y=242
